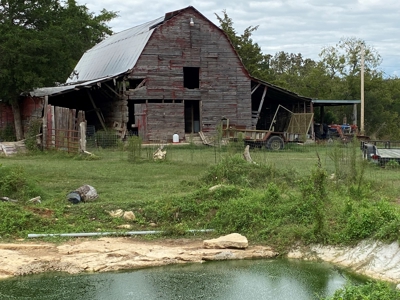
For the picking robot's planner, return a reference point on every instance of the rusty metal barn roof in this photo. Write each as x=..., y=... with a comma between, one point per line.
x=110, y=57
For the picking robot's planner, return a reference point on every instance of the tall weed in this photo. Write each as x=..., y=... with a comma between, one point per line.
x=349, y=168
x=134, y=148
x=314, y=195
x=235, y=170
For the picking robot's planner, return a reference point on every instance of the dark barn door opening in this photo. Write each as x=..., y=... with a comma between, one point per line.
x=192, y=116
x=131, y=125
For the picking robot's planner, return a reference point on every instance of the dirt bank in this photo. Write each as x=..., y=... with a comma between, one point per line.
x=112, y=254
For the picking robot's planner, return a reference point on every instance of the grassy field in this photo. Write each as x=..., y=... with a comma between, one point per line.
x=284, y=197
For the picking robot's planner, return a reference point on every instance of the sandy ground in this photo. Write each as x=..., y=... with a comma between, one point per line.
x=111, y=254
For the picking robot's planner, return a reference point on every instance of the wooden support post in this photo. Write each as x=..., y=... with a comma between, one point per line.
x=111, y=89
x=255, y=88
x=354, y=114
x=17, y=120
x=53, y=126
x=140, y=84
x=44, y=124
x=101, y=118
x=257, y=116
x=82, y=137
x=312, y=127
x=262, y=102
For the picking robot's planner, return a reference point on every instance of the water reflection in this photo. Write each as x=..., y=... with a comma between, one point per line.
x=256, y=279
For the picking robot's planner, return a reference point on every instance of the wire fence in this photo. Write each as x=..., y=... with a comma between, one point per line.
x=299, y=158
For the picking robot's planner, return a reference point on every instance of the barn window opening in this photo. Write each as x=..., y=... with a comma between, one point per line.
x=136, y=83
x=191, y=77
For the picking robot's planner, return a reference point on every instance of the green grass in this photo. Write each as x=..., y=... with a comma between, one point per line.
x=286, y=197
x=272, y=201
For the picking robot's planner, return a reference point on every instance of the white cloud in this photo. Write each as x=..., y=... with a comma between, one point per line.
x=298, y=26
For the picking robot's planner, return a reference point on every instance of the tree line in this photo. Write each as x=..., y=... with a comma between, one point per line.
x=336, y=75
x=42, y=40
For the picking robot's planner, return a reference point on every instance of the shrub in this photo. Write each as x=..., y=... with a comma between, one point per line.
x=15, y=184
x=33, y=131
x=236, y=171
x=241, y=215
x=368, y=291
x=370, y=219
x=392, y=164
x=198, y=207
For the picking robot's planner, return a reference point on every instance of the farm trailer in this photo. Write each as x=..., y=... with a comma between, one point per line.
x=296, y=130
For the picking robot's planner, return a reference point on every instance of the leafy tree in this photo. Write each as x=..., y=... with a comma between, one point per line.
x=250, y=52
x=344, y=59
x=40, y=43
x=301, y=75
x=342, y=64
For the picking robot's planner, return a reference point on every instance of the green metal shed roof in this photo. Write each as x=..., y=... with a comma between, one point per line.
x=318, y=102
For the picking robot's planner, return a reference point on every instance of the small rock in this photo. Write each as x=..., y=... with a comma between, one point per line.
x=159, y=154
x=87, y=192
x=153, y=224
x=116, y=213
x=36, y=199
x=215, y=187
x=125, y=226
x=233, y=240
x=129, y=216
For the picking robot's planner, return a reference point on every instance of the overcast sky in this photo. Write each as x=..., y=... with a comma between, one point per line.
x=294, y=26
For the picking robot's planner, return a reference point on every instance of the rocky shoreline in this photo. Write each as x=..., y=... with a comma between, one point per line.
x=113, y=254
x=370, y=258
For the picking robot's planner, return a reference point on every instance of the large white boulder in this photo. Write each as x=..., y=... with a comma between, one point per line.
x=233, y=240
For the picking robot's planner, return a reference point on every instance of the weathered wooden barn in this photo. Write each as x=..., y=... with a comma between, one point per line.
x=178, y=74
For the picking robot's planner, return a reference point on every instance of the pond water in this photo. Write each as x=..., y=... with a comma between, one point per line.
x=242, y=279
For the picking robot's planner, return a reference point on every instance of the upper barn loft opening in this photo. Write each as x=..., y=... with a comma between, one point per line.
x=191, y=77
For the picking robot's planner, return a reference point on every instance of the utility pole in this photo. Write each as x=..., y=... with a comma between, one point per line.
x=362, y=90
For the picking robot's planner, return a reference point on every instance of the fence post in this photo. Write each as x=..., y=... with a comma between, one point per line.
x=82, y=134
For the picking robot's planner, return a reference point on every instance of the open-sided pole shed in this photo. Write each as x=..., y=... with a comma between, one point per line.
x=322, y=103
